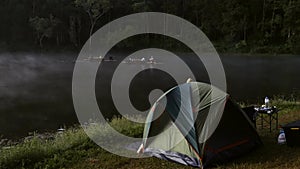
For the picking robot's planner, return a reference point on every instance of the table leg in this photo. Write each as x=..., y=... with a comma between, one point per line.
x=270, y=118
x=262, y=121
x=276, y=120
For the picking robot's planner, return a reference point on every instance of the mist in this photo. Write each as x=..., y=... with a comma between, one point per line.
x=35, y=89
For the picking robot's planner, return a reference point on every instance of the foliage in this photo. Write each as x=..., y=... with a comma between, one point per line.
x=94, y=8
x=260, y=24
x=127, y=127
x=44, y=27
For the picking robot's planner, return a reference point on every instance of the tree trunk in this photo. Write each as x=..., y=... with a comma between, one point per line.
x=33, y=8
x=41, y=40
x=263, y=16
x=289, y=28
x=90, y=39
x=72, y=30
x=197, y=18
x=245, y=28
x=57, y=39
x=272, y=20
x=78, y=30
x=93, y=23
x=92, y=28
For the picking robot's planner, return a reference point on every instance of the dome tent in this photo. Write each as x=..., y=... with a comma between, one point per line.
x=199, y=125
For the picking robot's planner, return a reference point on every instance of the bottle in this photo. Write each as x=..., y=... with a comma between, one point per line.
x=281, y=137
x=267, y=102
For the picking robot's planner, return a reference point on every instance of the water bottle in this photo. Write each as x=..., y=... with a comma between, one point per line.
x=267, y=102
x=281, y=137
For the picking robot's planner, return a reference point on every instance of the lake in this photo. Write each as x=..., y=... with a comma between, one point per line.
x=36, y=89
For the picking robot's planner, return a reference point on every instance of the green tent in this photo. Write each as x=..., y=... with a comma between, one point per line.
x=199, y=125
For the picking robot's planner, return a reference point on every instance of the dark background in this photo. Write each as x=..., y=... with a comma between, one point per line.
x=257, y=26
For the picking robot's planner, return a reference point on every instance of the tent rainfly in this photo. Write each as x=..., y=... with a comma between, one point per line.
x=198, y=125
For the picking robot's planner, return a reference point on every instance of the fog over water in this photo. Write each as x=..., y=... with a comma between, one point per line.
x=35, y=92
x=36, y=89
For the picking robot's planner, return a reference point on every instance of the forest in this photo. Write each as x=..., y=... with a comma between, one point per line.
x=252, y=26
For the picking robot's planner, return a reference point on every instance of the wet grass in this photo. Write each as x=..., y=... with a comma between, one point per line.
x=74, y=149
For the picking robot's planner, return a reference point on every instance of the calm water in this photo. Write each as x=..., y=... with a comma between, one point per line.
x=36, y=94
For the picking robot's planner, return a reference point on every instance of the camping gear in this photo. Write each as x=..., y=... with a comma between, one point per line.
x=267, y=102
x=281, y=137
x=261, y=115
x=268, y=116
x=292, y=133
x=199, y=125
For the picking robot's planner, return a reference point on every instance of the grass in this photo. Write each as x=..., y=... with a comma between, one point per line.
x=73, y=149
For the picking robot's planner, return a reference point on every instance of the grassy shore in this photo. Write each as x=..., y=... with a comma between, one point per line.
x=74, y=149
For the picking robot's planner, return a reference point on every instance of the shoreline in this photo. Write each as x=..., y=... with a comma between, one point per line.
x=284, y=105
x=118, y=51
x=74, y=149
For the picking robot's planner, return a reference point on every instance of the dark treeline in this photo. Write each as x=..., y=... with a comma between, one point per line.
x=259, y=26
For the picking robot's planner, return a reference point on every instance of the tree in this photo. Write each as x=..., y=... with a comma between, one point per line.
x=74, y=30
x=141, y=6
x=44, y=27
x=235, y=20
x=291, y=28
x=211, y=18
x=95, y=9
